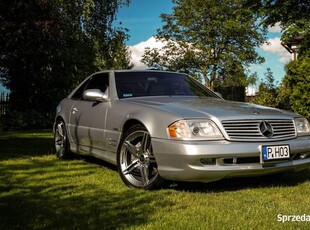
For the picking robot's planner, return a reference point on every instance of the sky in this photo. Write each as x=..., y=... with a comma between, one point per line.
x=142, y=19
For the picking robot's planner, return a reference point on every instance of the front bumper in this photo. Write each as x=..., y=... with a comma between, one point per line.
x=207, y=161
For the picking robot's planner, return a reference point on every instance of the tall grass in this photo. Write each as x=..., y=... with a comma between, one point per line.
x=39, y=191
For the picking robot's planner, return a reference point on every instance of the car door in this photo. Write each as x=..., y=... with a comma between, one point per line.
x=87, y=118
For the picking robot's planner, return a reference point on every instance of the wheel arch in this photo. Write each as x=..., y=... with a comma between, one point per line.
x=155, y=121
x=130, y=123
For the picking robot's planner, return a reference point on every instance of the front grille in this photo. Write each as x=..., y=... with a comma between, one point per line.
x=250, y=129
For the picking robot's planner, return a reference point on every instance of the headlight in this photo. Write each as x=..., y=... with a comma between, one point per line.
x=194, y=129
x=302, y=126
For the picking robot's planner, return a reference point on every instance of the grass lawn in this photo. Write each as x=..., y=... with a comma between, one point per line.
x=38, y=191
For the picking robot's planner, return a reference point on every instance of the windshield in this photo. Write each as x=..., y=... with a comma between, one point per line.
x=141, y=84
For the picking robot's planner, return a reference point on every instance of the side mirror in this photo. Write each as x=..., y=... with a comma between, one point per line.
x=95, y=95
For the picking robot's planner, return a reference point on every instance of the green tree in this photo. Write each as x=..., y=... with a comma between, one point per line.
x=293, y=17
x=211, y=40
x=297, y=80
x=47, y=47
x=272, y=95
x=108, y=41
x=267, y=91
x=283, y=97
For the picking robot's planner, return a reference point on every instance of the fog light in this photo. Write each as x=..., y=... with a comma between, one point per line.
x=208, y=161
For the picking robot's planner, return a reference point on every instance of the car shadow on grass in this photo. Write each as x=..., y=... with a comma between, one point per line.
x=96, y=161
x=48, y=193
x=231, y=184
x=22, y=145
x=235, y=184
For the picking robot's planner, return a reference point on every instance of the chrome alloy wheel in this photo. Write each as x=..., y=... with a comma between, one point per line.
x=61, y=143
x=136, y=162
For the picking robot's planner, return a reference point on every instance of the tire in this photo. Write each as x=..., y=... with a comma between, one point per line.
x=136, y=162
x=62, y=146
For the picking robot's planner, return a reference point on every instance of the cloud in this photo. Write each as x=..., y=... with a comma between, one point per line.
x=275, y=29
x=137, y=51
x=273, y=46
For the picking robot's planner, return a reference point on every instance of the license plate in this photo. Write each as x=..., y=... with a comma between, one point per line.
x=276, y=152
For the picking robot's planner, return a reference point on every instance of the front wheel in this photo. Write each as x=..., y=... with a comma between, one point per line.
x=135, y=160
x=62, y=148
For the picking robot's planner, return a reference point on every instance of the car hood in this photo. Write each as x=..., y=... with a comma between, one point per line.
x=195, y=107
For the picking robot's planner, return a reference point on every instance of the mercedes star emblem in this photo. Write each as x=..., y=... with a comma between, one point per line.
x=266, y=129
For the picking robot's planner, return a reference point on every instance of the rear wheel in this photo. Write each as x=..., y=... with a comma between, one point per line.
x=135, y=160
x=62, y=147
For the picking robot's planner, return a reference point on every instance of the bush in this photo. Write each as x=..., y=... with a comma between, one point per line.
x=298, y=79
x=26, y=120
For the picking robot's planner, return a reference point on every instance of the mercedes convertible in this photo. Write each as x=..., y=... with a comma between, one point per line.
x=159, y=126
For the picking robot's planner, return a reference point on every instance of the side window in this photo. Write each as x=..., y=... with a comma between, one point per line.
x=79, y=92
x=99, y=81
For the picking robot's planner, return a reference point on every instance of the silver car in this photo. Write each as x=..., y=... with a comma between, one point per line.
x=161, y=126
